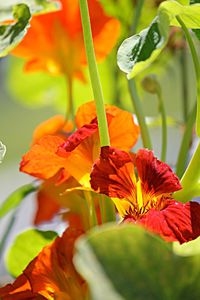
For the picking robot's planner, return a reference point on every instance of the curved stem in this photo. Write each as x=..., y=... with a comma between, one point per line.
x=185, y=144
x=94, y=75
x=7, y=232
x=184, y=77
x=137, y=15
x=190, y=179
x=140, y=115
x=197, y=69
x=164, y=126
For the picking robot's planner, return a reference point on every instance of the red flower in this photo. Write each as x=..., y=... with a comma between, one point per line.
x=144, y=195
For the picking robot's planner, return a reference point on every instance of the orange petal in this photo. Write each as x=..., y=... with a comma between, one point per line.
x=56, y=38
x=42, y=161
x=52, y=126
x=122, y=128
x=51, y=274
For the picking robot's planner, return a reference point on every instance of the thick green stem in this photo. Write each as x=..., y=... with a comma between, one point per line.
x=140, y=115
x=185, y=144
x=96, y=86
x=196, y=67
x=137, y=14
x=94, y=75
x=164, y=126
x=191, y=179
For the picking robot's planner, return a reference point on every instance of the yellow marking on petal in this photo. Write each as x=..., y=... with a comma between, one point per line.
x=140, y=202
x=123, y=206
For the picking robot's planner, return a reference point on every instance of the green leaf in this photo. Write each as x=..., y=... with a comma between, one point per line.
x=35, y=7
x=128, y=263
x=26, y=246
x=16, y=198
x=2, y=151
x=187, y=249
x=139, y=51
x=11, y=35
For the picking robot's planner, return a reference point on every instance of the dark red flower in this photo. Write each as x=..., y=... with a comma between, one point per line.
x=141, y=188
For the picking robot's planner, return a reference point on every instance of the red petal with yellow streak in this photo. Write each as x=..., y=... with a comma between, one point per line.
x=111, y=174
x=41, y=160
x=176, y=222
x=51, y=275
x=156, y=176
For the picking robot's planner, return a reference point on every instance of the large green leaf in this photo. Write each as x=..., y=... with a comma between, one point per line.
x=25, y=247
x=11, y=33
x=2, y=151
x=16, y=198
x=126, y=263
x=139, y=51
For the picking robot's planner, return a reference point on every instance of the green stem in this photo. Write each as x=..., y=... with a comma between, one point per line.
x=196, y=67
x=92, y=212
x=140, y=115
x=6, y=233
x=94, y=75
x=137, y=15
x=184, y=70
x=164, y=126
x=110, y=214
x=96, y=86
x=185, y=144
x=190, y=180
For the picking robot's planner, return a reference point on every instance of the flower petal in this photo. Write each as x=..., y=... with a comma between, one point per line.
x=41, y=160
x=51, y=274
x=56, y=38
x=122, y=129
x=176, y=222
x=113, y=174
x=52, y=126
x=77, y=137
x=156, y=177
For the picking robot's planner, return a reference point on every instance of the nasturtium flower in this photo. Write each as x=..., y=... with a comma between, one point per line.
x=51, y=275
x=141, y=188
x=54, y=43
x=60, y=160
x=75, y=155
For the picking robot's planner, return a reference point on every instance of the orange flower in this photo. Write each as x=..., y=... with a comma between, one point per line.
x=76, y=154
x=54, y=42
x=75, y=157
x=51, y=275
